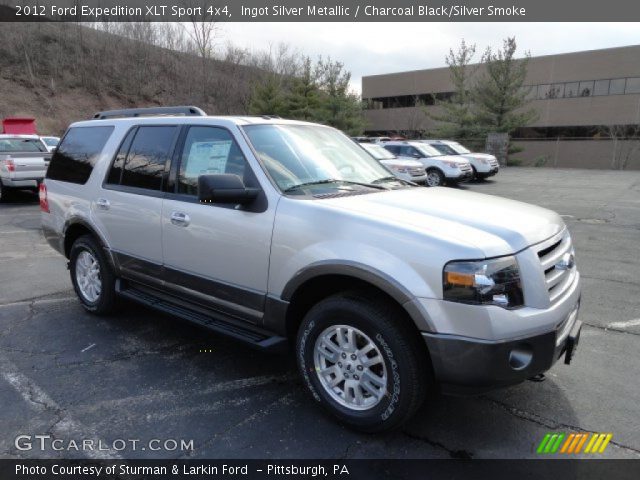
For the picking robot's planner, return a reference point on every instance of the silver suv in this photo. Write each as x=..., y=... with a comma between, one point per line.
x=278, y=233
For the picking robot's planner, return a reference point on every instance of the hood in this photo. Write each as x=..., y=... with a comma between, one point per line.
x=495, y=225
x=479, y=156
x=402, y=161
x=450, y=158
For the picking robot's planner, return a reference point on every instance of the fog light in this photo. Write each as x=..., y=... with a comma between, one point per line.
x=520, y=358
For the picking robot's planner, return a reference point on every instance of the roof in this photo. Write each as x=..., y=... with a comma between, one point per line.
x=192, y=120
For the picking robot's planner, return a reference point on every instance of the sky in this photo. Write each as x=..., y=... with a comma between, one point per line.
x=375, y=48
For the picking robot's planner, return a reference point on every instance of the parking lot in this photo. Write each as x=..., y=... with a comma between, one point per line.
x=142, y=375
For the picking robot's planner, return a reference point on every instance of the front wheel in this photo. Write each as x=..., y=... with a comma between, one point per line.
x=361, y=362
x=435, y=178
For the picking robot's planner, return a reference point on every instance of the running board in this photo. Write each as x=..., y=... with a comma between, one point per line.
x=215, y=321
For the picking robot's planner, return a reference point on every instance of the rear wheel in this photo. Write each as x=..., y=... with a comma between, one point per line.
x=92, y=276
x=435, y=178
x=4, y=192
x=361, y=362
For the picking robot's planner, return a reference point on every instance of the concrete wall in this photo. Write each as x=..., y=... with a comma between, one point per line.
x=602, y=154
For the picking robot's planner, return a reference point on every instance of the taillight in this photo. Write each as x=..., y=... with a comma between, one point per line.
x=10, y=165
x=42, y=194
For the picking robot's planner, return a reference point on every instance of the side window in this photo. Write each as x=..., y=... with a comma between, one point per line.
x=145, y=163
x=115, y=173
x=75, y=157
x=207, y=151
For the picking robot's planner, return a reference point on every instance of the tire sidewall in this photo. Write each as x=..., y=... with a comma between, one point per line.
x=440, y=176
x=317, y=320
x=87, y=244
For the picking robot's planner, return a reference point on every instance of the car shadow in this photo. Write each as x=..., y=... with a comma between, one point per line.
x=18, y=198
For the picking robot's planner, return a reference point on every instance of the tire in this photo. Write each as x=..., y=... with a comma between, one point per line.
x=88, y=263
x=5, y=193
x=435, y=178
x=402, y=362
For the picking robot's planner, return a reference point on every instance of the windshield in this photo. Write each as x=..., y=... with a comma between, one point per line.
x=313, y=155
x=378, y=151
x=428, y=150
x=21, y=145
x=459, y=148
x=444, y=149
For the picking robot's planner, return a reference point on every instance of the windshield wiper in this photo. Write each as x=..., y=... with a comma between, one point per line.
x=385, y=179
x=332, y=180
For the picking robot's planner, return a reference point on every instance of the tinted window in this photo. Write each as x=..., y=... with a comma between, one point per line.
x=115, y=173
x=393, y=149
x=21, y=145
x=601, y=87
x=208, y=151
x=76, y=155
x=633, y=85
x=149, y=152
x=571, y=89
x=617, y=86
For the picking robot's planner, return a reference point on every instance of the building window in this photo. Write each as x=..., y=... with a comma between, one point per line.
x=633, y=85
x=585, y=89
x=601, y=87
x=571, y=89
x=617, y=86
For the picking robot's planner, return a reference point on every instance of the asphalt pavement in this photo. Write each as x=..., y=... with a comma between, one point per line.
x=144, y=385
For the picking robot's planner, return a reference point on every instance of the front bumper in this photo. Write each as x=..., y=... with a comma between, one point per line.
x=458, y=175
x=465, y=365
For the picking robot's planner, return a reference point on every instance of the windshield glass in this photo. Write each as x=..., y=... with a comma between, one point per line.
x=428, y=150
x=308, y=154
x=21, y=145
x=444, y=149
x=459, y=148
x=378, y=151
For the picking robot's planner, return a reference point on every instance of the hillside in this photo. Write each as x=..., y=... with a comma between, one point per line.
x=60, y=73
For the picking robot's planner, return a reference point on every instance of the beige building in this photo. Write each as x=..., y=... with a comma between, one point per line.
x=588, y=106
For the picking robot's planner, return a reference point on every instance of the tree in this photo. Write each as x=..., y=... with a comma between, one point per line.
x=303, y=100
x=499, y=95
x=267, y=98
x=339, y=107
x=457, y=118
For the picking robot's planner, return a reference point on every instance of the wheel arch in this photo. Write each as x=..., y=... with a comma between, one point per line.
x=322, y=279
x=76, y=227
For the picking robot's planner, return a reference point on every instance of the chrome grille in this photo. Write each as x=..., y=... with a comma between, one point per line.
x=416, y=171
x=465, y=167
x=558, y=275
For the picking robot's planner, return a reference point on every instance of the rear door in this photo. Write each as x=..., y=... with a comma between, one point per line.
x=129, y=206
x=217, y=255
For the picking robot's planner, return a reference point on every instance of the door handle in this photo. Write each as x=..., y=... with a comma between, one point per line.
x=103, y=204
x=180, y=219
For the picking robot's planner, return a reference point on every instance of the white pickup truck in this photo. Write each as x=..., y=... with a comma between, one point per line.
x=23, y=163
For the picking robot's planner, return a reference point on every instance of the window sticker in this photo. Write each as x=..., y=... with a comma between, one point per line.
x=207, y=158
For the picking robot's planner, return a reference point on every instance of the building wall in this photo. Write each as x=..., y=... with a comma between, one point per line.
x=603, y=110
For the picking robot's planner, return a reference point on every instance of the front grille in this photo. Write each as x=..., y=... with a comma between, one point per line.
x=465, y=167
x=551, y=254
x=416, y=171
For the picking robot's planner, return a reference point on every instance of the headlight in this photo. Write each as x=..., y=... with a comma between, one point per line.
x=484, y=282
x=398, y=168
x=451, y=164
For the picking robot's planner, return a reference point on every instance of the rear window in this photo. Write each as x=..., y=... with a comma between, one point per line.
x=21, y=145
x=77, y=153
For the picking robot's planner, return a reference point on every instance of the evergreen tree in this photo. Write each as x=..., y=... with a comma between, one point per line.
x=268, y=97
x=456, y=115
x=303, y=100
x=500, y=96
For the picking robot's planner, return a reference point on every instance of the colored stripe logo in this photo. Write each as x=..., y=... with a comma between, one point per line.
x=574, y=443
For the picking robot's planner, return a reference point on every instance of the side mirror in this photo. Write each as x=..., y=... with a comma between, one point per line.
x=225, y=188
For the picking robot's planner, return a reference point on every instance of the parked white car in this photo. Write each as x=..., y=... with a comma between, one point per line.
x=23, y=163
x=484, y=165
x=403, y=168
x=440, y=168
x=50, y=142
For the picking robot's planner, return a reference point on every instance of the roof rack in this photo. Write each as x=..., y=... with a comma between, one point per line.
x=150, y=112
